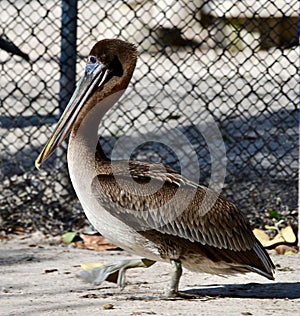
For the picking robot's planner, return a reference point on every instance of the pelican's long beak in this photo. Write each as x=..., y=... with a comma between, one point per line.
x=95, y=75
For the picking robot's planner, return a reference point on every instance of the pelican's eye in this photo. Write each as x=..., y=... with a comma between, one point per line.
x=92, y=59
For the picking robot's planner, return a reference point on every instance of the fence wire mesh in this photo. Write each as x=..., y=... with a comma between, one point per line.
x=230, y=64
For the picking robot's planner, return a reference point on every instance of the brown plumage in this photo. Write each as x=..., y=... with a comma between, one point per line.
x=147, y=208
x=218, y=232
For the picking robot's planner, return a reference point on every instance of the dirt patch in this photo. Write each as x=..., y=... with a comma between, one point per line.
x=39, y=277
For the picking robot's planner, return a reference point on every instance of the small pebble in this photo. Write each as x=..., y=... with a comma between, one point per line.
x=108, y=306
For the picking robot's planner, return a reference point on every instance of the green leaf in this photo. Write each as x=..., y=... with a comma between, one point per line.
x=290, y=252
x=274, y=214
x=69, y=237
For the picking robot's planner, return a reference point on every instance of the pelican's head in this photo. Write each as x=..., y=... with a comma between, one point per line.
x=109, y=69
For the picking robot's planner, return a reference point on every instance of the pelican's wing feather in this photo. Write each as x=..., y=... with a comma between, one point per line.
x=148, y=198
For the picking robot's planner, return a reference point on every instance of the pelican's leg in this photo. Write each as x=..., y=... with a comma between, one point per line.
x=114, y=272
x=176, y=274
x=174, y=285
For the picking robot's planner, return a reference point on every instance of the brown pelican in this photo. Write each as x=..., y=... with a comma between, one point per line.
x=145, y=208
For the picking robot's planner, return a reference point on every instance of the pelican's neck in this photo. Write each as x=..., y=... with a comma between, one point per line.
x=83, y=143
x=82, y=165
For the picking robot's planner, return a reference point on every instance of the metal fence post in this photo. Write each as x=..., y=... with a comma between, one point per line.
x=67, y=75
x=68, y=51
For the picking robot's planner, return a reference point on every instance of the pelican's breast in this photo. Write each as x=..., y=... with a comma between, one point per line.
x=81, y=164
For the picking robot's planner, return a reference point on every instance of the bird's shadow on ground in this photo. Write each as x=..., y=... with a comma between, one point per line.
x=290, y=290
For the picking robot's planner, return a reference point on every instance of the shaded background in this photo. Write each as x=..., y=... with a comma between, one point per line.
x=233, y=63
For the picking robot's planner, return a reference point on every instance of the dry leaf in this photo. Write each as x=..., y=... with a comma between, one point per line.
x=288, y=234
x=278, y=239
x=3, y=238
x=19, y=230
x=285, y=250
x=95, y=242
x=265, y=239
x=280, y=268
x=261, y=236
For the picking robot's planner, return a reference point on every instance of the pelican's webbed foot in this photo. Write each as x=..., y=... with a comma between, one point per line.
x=114, y=272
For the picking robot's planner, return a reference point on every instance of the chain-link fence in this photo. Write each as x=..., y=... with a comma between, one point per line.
x=202, y=64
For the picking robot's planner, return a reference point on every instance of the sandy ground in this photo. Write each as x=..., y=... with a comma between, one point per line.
x=39, y=277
